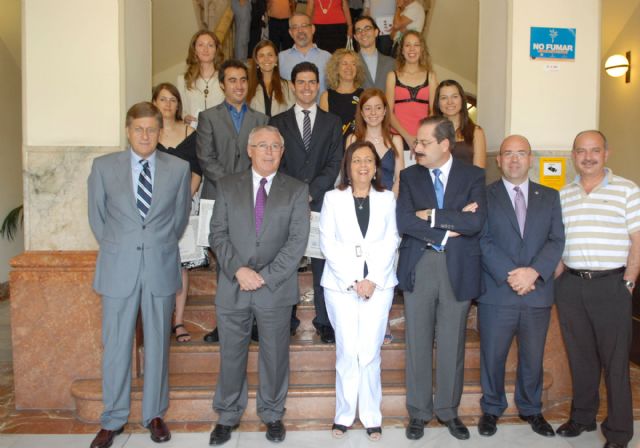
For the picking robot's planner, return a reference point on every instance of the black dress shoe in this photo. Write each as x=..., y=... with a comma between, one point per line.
x=159, y=431
x=220, y=434
x=574, y=429
x=327, y=335
x=254, y=333
x=104, y=438
x=614, y=445
x=487, y=425
x=212, y=336
x=415, y=429
x=456, y=428
x=276, y=431
x=539, y=425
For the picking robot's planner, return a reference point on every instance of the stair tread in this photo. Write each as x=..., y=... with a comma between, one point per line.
x=206, y=301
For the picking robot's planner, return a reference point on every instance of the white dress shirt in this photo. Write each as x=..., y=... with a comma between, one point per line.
x=297, y=109
x=524, y=187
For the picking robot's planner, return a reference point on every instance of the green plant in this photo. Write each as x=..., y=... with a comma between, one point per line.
x=10, y=224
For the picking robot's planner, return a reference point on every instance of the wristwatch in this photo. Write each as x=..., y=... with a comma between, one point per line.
x=629, y=284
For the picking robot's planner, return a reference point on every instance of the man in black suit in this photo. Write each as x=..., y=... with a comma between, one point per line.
x=441, y=211
x=313, y=139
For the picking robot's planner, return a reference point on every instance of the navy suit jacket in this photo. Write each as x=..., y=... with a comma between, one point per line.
x=466, y=184
x=503, y=249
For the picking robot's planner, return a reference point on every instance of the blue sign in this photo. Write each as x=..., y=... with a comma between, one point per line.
x=553, y=43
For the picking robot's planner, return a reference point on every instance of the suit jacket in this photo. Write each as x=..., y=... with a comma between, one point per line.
x=318, y=167
x=340, y=234
x=385, y=65
x=221, y=150
x=275, y=253
x=503, y=249
x=129, y=246
x=465, y=185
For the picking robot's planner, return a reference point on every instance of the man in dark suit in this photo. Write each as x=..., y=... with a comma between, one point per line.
x=259, y=232
x=139, y=201
x=377, y=65
x=521, y=244
x=222, y=135
x=440, y=212
x=314, y=153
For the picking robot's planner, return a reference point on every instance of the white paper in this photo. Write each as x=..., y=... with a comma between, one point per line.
x=313, y=246
x=384, y=23
x=189, y=251
x=204, y=222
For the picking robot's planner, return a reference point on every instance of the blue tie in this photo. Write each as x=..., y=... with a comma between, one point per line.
x=437, y=185
x=144, y=190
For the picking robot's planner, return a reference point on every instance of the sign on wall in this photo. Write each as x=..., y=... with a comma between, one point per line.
x=552, y=172
x=553, y=43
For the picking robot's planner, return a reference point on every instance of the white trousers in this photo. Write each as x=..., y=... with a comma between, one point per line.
x=359, y=326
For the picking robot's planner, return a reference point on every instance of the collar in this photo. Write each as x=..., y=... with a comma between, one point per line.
x=135, y=158
x=298, y=108
x=608, y=177
x=232, y=108
x=445, y=169
x=524, y=186
x=257, y=177
x=295, y=49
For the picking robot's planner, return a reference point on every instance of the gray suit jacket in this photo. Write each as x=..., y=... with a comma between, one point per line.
x=274, y=253
x=129, y=246
x=221, y=150
x=385, y=65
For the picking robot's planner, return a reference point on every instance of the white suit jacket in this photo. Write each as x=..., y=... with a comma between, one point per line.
x=340, y=237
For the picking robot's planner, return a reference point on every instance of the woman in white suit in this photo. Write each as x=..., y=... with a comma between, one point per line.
x=359, y=238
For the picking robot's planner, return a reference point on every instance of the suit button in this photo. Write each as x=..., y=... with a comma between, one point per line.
x=306, y=180
x=257, y=244
x=144, y=227
x=139, y=248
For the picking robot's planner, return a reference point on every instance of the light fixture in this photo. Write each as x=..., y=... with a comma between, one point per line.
x=618, y=65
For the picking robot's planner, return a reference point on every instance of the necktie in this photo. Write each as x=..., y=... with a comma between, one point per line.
x=261, y=200
x=521, y=209
x=306, y=130
x=439, y=188
x=143, y=194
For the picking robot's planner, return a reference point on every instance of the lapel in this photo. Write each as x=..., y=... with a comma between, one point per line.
x=501, y=197
x=226, y=118
x=247, y=124
x=123, y=177
x=366, y=69
x=424, y=178
x=453, y=183
x=160, y=183
x=380, y=69
x=534, y=207
x=274, y=197
x=317, y=128
x=245, y=199
x=293, y=130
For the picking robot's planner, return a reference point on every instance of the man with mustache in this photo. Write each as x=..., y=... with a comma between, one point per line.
x=440, y=212
x=597, y=274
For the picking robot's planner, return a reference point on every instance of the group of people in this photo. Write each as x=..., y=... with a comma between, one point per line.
x=270, y=146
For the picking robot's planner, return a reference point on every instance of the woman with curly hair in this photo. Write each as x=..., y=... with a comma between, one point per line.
x=268, y=93
x=345, y=75
x=199, y=86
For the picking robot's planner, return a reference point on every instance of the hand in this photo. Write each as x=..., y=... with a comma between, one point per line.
x=189, y=119
x=424, y=214
x=350, y=30
x=471, y=207
x=249, y=279
x=522, y=280
x=453, y=234
x=365, y=288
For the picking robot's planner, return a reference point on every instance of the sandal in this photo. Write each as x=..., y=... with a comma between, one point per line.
x=338, y=431
x=374, y=434
x=181, y=338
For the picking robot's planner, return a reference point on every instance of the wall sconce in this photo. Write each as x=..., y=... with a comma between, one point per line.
x=618, y=65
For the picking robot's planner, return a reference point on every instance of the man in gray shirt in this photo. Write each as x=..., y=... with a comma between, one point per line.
x=377, y=65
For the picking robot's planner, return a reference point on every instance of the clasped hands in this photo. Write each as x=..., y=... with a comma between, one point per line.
x=522, y=280
x=248, y=279
x=426, y=214
x=363, y=288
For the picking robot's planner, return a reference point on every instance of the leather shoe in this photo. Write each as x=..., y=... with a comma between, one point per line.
x=220, y=434
x=487, y=425
x=276, y=431
x=327, y=334
x=159, y=431
x=105, y=437
x=539, y=424
x=456, y=428
x=415, y=429
x=212, y=336
x=573, y=429
x=254, y=333
x=614, y=445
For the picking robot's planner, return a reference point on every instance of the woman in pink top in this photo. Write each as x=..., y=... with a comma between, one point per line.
x=332, y=20
x=408, y=87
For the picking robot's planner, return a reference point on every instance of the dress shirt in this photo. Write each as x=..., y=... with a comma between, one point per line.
x=297, y=109
x=372, y=63
x=136, y=169
x=288, y=59
x=256, y=183
x=444, y=178
x=524, y=187
x=236, y=115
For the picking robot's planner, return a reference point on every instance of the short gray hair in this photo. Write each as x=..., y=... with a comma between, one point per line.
x=265, y=127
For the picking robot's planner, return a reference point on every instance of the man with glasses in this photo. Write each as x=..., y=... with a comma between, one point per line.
x=521, y=243
x=304, y=50
x=377, y=65
x=440, y=212
x=259, y=232
x=139, y=201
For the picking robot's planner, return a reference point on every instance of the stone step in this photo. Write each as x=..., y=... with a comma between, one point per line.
x=311, y=397
x=306, y=353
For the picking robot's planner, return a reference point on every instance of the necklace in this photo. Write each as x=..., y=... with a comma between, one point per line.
x=375, y=140
x=325, y=10
x=206, y=87
x=361, y=201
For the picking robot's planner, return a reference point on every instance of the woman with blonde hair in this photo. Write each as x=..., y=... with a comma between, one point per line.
x=268, y=92
x=345, y=75
x=199, y=84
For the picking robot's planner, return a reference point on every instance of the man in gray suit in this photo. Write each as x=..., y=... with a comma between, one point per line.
x=222, y=135
x=139, y=203
x=377, y=65
x=259, y=232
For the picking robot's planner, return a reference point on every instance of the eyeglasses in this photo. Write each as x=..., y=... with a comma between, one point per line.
x=264, y=147
x=423, y=143
x=149, y=131
x=364, y=29
x=297, y=27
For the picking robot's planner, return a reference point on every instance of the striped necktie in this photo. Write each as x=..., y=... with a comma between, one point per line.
x=143, y=193
x=306, y=130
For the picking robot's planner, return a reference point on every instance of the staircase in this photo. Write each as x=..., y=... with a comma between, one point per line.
x=194, y=367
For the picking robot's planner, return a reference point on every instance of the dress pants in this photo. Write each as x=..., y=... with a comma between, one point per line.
x=119, y=317
x=433, y=313
x=595, y=320
x=360, y=326
x=498, y=324
x=331, y=37
x=234, y=328
x=279, y=34
x=242, y=17
x=321, y=319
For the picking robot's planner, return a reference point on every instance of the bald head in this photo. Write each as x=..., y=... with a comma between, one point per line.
x=515, y=159
x=515, y=141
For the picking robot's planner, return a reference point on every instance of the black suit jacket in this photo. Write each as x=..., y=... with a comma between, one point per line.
x=466, y=184
x=318, y=167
